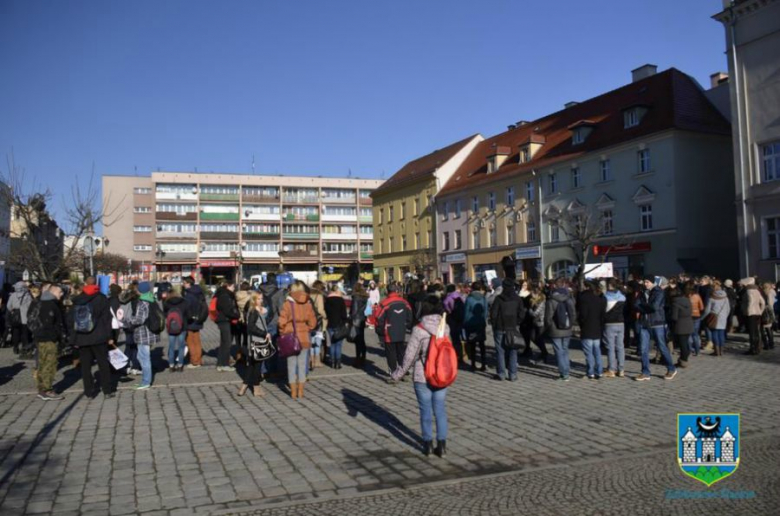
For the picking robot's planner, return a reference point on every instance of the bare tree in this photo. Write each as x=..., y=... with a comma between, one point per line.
x=36, y=239
x=424, y=261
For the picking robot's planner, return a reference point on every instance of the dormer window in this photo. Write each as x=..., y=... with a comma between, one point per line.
x=497, y=158
x=525, y=155
x=633, y=116
x=577, y=137
x=491, y=166
x=580, y=131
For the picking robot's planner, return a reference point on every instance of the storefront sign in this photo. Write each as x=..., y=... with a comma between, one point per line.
x=217, y=263
x=457, y=257
x=638, y=247
x=527, y=253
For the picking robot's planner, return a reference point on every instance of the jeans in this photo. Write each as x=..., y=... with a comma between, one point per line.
x=592, y=350
x=176, y=343
x=561, y=347
x=718, y=337
x=431, y=403
x=145, y=358
x=659, y=334
x=335, y=348
x=225, y=340
x=316, y=345
x=297, y=367
x=131, y=350
x=695, y=338
x=502, y=355
x=614, y=336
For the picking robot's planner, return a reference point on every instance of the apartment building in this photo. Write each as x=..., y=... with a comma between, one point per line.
x=404, y=221
x=643, y=172
x=232, y=225
x=752, y=47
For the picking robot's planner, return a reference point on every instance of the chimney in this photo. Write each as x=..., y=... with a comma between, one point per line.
x=643, y=72
x=718, y=78
x=510, y=127
x=521, y=123
x=570, y=104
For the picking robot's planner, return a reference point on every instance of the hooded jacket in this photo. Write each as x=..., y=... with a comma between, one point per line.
x=507, y=311
x=682, y=315
x=305, y=319
x=417, y=348
x=194, y=296
x=394, y=318
x=336, y=310
x=101, y=317
x=556, y=297
x=476, y=313
x=179, y=304
x=650, y=305
x=227, y=309
x=719, y=305
x=616, y=307
x=273, y=297
x=592, y=309
x=52, y=324
x=753, y=303
x=20, y=300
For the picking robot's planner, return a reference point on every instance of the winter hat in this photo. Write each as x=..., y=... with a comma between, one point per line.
x=508, y=283
x=144, y=287
x=663, y=282
x=728, y=283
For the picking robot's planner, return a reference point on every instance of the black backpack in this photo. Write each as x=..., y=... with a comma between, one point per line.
x=156, y=320
x=458, y=311
x=561, y=317
x=203, y=309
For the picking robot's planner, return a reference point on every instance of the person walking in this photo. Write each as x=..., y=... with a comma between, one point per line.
x=196, y=300
x=753, y=306
x=227, y=317
x=651, y=306
x=560, y=315
x=768, y=317
x=614, y=329
x=143, y=337
x=591, y=311
x=357, y=318
x=338, y=320
x=257, y=328
x=393, y=320
x=720, y=306
x=456, y=309
x=475, y=324
x=177, y=314
x=90, y=322
x=47, y=329
x=431, y=401
x=506, y=314
x=297, y=316
x=682, y=321
x=17, y=307
x=697, y=307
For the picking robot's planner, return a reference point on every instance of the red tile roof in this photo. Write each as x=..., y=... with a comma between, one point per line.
x=423, y=167
x=672, y=99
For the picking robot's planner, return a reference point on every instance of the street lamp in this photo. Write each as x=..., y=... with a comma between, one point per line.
x=160, y=254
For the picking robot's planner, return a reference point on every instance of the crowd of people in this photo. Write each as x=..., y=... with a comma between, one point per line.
x=268, y=331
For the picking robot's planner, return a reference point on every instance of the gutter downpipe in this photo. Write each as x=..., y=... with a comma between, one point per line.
x=543, y=272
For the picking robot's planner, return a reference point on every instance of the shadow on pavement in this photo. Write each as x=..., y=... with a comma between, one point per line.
x=358, y=404
x=8, y=373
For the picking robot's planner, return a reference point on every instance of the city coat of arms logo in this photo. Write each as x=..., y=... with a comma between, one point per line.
x=708, y=445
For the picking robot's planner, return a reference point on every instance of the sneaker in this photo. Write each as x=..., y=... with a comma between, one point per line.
x=142, y=387
x=670, y=375
x=563, y=378
x=609, y=374
x=642, y=378
x=193, y=366
x=226, y=369
x=621, y=374
x=50, y=396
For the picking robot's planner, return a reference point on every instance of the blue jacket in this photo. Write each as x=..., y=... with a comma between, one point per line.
x=651, y=307
x=476, y=313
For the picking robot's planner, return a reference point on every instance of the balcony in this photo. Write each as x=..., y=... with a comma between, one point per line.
x=366, y=201
x=260, y=198
x=301, y=253
x=366, y=236
x=301, y=236
x=268, y=217
x=178, y=235
x=254, y=255
x=177, y=257
x=339, y=200
x=366, y=255
x=219, y=235
x=366, y=218
x=261, y=236
x=218, y=197
x=326, y=256
x=309, y=217
x=204, y=215
x=339, y=236
x=176, y=196
x=169, y=215
x=339, y=218
x=215, y=254
x=302, y=199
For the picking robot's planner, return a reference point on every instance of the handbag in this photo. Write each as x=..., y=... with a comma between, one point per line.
x=260, y=349
x=711, y=321
x=289, y=345
x=514, y=340
x=340, y=332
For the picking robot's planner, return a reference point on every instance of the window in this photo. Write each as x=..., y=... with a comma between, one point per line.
x=389, y=214
x=381, y=246
x=142, y=248
x=219, y=247
x=262, y=247
x=457, y=208
x=219, y=189
x=417, y=241
x=576, y=177
x=577, y=137
x=771, y=161
x=142, y=209
x=390, y=245
x=606, y=170
x=335, y=193
x=475, y=242
x=475, y=204
x=261, y=228
x=333, y=247
x=403, y=211
x=366, y=230
x=365, y=212
x=492, y=236
x=178, y=248
x=510, y=235
x=772, y=237
x=530, y=229
x=379, y=216
x=346, y=211
x=492, y=201
x=264, y=210
x=644, y=161
x=525, y=155
x=445, y=211
x=646, y=217
x=142, y=229
x=553, y=182
x=555, y=231
x=529, y=191
x=142, y=191
x=445, y=241
x=630, y=118
x=458, y=241
x=510, y=196
x=416, y=206
x=403, y=243
x=606, y=222
x=173, y=227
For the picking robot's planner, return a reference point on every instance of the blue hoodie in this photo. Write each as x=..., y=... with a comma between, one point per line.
x=615, y=304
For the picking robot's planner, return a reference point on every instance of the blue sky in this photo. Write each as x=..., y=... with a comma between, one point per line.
x=311, y=87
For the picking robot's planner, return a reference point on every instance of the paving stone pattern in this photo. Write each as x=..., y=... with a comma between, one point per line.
x=190, y=445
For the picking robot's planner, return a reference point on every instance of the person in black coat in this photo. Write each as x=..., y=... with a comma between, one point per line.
x=194, y=296
x=506, y=314
x=357, y=318
x=91, y=310
x=227, y=315
x=336, y=313
x=591, y=311
x=682, y=321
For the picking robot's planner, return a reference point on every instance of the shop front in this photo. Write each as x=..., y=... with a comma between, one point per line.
x=625, y=259
x=527, y=262
x=481, y=263
x=215, y=271
x=453, y=267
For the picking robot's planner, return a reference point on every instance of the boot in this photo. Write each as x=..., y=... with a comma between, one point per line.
x=441, y=448
x=427, y=446
x=243, y=390
x=294, y=391
x=257, y=391
x=300, y=389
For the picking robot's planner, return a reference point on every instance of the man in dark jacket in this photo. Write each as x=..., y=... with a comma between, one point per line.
x=273, y=298
x=394, y=319
x=651, y=306
x=559, y=316
x=194, y=296
x=506, y=314
x=591, y=309
x=90, y=323
x=227, y=315
x=47, y=330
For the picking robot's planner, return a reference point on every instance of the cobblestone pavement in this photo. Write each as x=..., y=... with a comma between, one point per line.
x=190, y=445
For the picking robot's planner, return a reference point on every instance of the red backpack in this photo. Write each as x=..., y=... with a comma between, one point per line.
x=441, y=365
x=213, y=309
x=174, y=322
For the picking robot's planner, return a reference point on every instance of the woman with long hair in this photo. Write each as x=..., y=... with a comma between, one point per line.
x=336, y=310
x=357, y=318
x=297, y=316
x=257, y=330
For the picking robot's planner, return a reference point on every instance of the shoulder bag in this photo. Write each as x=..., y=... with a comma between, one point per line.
x=289, y=345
